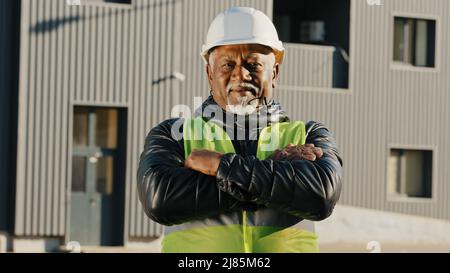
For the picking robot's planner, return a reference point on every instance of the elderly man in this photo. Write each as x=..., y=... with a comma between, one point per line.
x=240, y=176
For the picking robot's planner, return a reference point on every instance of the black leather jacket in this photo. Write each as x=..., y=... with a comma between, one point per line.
x=172, y=194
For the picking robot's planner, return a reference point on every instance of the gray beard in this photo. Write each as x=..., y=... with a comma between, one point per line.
x=245, y=127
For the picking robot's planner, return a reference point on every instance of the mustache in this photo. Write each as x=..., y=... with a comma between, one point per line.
x=248, y=86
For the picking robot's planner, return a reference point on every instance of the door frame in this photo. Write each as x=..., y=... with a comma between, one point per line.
x=120, y=164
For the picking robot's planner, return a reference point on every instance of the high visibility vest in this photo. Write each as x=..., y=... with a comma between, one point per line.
x=265, y=230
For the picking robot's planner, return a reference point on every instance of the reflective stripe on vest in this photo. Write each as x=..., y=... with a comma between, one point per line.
x=232, y=233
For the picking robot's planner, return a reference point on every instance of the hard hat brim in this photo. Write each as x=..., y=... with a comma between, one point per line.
x=277, y=47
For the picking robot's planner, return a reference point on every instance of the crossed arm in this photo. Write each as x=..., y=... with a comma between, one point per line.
x=208, y=162
x=173, y=190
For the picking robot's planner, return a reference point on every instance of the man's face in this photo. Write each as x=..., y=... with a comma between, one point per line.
x=241, y=76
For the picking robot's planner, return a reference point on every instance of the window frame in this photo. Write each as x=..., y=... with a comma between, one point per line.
x=352, y=13
x=397, y=65
x=391, y=198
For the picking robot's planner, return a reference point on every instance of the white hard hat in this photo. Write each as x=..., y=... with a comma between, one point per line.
x=242, y=25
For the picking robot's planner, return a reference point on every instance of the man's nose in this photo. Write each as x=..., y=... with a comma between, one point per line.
x=241, y=73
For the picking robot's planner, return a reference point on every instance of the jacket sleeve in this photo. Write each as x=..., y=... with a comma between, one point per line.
x=170, y=193
x=303, y=188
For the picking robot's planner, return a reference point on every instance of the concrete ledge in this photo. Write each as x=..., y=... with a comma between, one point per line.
x=356, y=226
x=152, y=245
x=36, y=245
x=383, y=248
x=134, y=245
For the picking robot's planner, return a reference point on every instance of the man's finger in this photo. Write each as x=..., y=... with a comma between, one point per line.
x=318, y=152
x=294, y=155
x=277, y=155
x=310, y=157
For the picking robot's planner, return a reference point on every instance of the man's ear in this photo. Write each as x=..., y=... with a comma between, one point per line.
x=209, y=74
x=275, y=74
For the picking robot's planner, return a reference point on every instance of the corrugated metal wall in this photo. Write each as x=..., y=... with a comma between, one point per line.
x=124, y=57
x=308, y=66
x=385, y=106
x=108, y=56
x=9, y=42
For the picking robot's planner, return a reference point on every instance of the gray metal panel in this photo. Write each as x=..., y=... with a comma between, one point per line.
x=386, y=106
x=100, y=55
x=307, y=66
x=55, y=75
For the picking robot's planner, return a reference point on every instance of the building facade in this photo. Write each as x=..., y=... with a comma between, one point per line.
x=84, y=84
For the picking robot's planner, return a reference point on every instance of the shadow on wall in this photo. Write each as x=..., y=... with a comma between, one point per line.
x=53, y=24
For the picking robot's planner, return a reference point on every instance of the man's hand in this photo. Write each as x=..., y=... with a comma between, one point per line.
x=293, y=152
x=204, y=161
x=208, y=162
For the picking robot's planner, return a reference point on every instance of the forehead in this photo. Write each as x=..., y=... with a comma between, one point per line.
x=245, y=51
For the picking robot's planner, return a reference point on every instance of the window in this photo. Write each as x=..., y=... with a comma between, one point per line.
x=78, y=174
x=95, y=146
x=414, y=41
x=107, y=127
x=322, y=23
x=105, y=175
x=410, y=173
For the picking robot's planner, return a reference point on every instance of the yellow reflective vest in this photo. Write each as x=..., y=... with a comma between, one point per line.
x=265, y=230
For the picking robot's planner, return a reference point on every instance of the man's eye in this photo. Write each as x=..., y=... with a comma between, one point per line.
x=255, y=66
x=228, y=66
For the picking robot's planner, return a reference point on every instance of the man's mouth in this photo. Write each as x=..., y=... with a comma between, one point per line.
x=243, y=88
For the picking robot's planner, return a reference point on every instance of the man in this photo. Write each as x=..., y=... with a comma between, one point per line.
x=240, y=176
